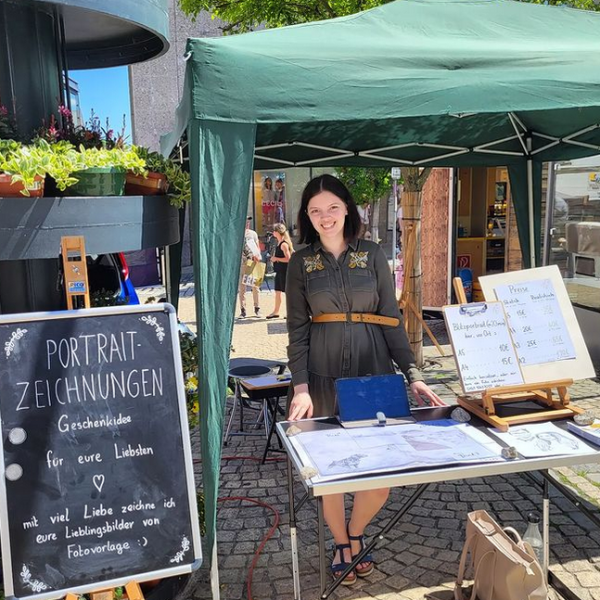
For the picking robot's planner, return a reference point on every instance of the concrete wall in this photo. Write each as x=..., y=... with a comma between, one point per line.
x=156, y=85
x=156, y=89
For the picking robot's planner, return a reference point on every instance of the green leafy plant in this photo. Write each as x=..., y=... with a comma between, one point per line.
x=24, y=164
x=180, y=187
x=189, y=361
x=125, y=158
x=366, y=184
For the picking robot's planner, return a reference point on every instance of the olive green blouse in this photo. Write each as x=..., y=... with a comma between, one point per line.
x=359, y=281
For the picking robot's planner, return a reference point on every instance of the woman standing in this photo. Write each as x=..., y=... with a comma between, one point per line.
x=333, y=278
x=280, y=261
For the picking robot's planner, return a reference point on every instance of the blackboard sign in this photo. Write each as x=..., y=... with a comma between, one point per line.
x=97, y=485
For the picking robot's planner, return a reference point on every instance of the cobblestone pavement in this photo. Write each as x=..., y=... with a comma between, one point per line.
x=421, y=553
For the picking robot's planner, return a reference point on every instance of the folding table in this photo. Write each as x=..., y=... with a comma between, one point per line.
x=422, y=478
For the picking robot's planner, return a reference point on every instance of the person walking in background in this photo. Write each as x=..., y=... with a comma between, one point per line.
x=280, y=261
x=343, y=321
x=250, y=254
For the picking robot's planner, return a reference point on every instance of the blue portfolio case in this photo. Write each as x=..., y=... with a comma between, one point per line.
x=361, y=398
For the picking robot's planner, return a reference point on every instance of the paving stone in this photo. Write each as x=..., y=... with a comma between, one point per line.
x=407, y=558
x=397, y=582
x=589, y=579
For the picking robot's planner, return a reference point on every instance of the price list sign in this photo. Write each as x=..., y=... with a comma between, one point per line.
x=483, y=348
x=96, y=484
x=536, y=322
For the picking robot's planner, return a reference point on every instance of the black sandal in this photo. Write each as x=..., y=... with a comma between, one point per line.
x=368, y=558
x=338, y=568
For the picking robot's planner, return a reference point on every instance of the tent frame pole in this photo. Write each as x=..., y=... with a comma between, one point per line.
x=532, y=260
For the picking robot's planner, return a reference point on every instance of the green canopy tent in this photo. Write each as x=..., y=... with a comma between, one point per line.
x=413, y=82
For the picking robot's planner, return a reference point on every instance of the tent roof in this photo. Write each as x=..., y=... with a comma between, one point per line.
x=435, y=79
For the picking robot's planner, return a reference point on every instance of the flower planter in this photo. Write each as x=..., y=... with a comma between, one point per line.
x=98, y=181
x=14, y=190
x=152, y=185
x=31, y=228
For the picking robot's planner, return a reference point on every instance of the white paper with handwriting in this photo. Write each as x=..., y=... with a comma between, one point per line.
x=483, y=349
x=536, y=321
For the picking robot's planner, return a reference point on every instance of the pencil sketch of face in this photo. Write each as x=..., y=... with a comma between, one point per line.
x=521, y=434
x=545, y=441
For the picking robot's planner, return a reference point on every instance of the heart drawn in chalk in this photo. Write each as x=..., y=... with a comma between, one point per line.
x=98, y=481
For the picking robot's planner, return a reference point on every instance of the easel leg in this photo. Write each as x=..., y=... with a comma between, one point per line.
x=133, y=591
x=293, y=537
x=322, y=561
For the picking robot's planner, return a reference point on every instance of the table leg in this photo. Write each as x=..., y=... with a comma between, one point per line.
x=293, y=536
x=546, y=528
x=322, y=560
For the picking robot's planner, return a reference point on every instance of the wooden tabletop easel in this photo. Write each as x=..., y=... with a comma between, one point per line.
x=541, y=393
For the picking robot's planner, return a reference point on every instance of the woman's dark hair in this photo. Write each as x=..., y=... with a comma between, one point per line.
x=327, y=183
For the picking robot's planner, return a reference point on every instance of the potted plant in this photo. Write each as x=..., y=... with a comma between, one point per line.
x=164, y=176
x=22, y=170
x=101, y=171
x=155, y=182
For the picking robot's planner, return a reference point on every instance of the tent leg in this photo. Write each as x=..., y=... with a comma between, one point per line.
x=532, y=260
x=214, y=573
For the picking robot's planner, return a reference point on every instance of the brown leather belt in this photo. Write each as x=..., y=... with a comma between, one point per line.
x=356, y=318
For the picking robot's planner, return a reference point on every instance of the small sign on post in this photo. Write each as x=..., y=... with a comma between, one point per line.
x=75, y=270
x=396, y=173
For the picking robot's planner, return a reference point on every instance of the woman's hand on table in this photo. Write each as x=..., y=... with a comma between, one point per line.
x=301, y=406
x=424, y=395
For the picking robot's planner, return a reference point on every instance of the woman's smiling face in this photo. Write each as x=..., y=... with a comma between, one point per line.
x=327, y=214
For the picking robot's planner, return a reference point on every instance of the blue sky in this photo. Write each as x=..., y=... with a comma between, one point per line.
x=107, y=92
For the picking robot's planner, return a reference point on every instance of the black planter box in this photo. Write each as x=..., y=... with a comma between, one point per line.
x=31, y=228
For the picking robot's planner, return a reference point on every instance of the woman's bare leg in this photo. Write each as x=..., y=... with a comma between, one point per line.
x=366, y=505
x=335, y=517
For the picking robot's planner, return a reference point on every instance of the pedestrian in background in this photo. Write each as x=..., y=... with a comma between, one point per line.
x=250, y=254
x=280, y=261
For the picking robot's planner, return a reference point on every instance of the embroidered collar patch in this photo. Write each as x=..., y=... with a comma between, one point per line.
x=313, y=263
x=358, y=260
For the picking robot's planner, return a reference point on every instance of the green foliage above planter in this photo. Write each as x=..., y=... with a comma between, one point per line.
x=180, y=187
x=125, y=158
x=23, y=163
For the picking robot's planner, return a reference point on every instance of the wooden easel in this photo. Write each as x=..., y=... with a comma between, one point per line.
x=132, y=588
x=75, y=270
x=541, y=393
x=405, y=302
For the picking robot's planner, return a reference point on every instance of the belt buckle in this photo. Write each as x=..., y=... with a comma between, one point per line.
x=349, y=317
